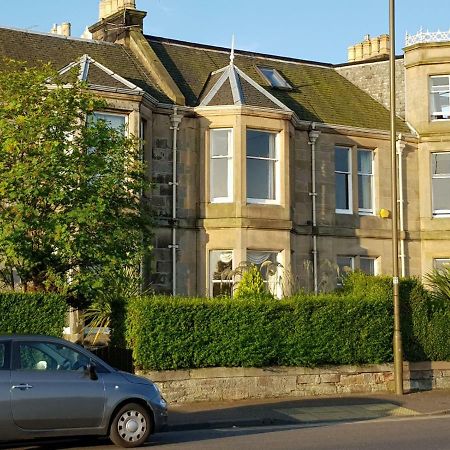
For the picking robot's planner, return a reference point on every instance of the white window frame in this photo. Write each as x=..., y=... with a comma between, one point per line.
x=375, y=263
x=438, y=213
x=210, y=272
x=276, y=143
x=440, y=262
x=280, y=82
x=366, y=211
x=350, y=181
x=230, y=178
x=431, y=90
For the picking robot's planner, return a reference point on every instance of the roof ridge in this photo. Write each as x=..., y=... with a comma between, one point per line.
x=58, y=36
x=237, y=52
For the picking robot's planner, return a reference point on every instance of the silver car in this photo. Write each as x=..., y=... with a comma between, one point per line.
x=52, y=388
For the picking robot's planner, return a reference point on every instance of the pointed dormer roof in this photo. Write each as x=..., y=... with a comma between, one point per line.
x=231, y=86
x=99, y=77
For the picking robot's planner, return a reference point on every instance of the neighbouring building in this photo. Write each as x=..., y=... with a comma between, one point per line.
x=265, y=158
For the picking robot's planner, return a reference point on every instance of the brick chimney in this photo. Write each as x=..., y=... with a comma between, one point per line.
x=369, y=49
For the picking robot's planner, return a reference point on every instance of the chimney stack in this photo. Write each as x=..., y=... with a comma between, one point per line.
x=369, y=49
x=62, y=30
x=109, y=7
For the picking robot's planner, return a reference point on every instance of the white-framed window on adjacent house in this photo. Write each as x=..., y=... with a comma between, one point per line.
x=262, y=167
x=221, y=165
x=268, y=263
x=368, y=265
x=365, y=181
x=220, y=264
x=440, y=97
x=343, y=179
x=440, y=184
x=441, y=263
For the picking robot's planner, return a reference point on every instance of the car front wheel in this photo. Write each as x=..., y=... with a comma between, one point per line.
x=131, y=426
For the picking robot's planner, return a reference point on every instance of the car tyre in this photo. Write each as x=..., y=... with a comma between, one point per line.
x=131, y=426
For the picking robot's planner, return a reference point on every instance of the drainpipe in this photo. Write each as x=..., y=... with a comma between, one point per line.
x=175, y=120
x=400, y=147
x=313, y=134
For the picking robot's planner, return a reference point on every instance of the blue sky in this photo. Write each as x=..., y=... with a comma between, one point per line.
x=315, y=30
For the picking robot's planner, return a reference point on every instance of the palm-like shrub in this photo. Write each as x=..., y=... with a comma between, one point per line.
x=439, y=282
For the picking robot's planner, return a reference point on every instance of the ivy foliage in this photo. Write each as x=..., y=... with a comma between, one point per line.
x=70, y=204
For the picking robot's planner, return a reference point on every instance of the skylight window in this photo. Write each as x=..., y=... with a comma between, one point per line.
x=274, y=78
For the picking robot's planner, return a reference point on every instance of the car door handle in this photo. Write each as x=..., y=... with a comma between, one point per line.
x=22, y=387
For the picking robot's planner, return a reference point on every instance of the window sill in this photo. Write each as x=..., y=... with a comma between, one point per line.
x=344, y=211
x=257, y=201
x=221, y=201
x=441, y=216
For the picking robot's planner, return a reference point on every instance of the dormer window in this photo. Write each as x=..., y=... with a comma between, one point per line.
x=440, y=97
x=274, y=78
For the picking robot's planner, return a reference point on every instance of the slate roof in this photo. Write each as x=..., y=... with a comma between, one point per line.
x=61, y=51
x=319, y=93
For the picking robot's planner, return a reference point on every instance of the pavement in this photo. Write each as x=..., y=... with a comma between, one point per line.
x=306, y=410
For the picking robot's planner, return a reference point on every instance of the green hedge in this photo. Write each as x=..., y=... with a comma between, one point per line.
x=36, y=313
x=176, y=333
x=353, y=327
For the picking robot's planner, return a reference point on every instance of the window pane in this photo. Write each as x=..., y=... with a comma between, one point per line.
x=274, y=78
x=219, y=178
x=367, y=265
x=341, y=159
x=365, y=192
x=220, y=261
x=260, y=144
x=115, y=121
x=345, y=264
x=260, y=179
x=439, y=81
x=441, y=163
x=365, y=161
x=342, y=191
x=48, y=356
x=219, y=142
x=441, y=197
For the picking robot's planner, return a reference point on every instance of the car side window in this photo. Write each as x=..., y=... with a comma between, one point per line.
x=48, y=356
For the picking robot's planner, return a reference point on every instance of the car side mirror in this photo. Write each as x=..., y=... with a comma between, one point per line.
x=90, y=371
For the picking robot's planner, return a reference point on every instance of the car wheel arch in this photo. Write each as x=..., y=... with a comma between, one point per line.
x=126, y=401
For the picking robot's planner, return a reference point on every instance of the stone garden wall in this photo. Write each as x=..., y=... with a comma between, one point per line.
x=216, y=384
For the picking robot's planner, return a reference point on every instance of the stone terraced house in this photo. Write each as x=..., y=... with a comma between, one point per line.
x=261, y=158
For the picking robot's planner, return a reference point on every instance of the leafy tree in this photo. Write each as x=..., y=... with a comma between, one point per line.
x=71, y=211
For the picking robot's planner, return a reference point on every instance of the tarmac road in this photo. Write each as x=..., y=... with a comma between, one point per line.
x=410, y=433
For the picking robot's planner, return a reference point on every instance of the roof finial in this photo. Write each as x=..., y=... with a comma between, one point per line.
x=232, y=51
